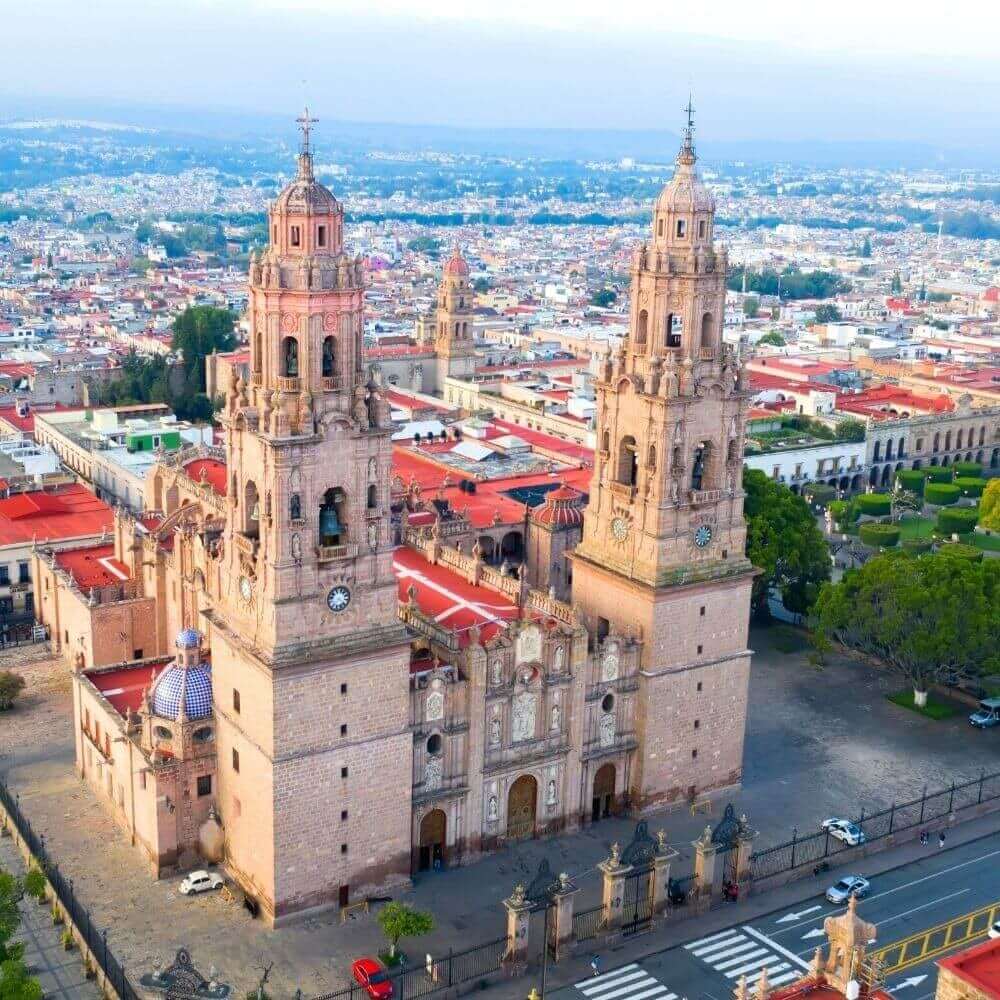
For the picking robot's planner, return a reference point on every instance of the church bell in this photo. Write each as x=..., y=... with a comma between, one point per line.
x=329, y=525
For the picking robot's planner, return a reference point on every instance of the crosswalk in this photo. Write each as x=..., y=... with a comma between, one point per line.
x=627, y=983
x=743, y=951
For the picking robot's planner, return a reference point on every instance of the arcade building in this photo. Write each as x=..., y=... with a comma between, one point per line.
x=328, y=662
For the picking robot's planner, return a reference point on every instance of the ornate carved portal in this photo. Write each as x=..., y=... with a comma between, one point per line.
x=604, y=792
x=433, y=836
x=521, y=807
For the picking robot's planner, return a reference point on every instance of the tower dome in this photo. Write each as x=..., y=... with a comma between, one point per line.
x=560, y=509
x=184, y=689
x=457, y=265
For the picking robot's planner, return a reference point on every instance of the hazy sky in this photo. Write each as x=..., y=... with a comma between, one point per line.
x=849, y=69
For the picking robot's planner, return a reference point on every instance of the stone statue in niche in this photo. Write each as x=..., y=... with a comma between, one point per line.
x=491, y=810
x=556, y=723
x=432, y=772
x=523, y=723
x=609, y=665
x=495, y=731
x=607, y=729
x=296, y=546
x=434, y=708
x=291, y=357
x=550, y=794
x=529, y=644
x=497, y=673
x=557, y=659
x=295, y=507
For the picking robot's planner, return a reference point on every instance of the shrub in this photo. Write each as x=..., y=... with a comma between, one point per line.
x=957, y=521
x=941, y=494
x=937, y=474
x=818, y=493
x=874, y=504
x=959, y=550
x=843, y=513
x=34, y=884
x=11, y=685
x=970, y=486
x=883, y=536
x=67, y=939
x=912, y=480
x=968, y=469
x=916, y=546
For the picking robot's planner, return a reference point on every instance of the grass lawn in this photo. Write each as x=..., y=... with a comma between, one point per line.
x=934, y=709
x=916, y=527
x=988, y=543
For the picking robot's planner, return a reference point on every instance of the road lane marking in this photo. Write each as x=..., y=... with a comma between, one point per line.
x=730, y=947
x=626, y=983
x=745, y=957
x=764, y=939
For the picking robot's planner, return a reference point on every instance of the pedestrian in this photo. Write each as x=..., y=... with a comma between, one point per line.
x=923, y=838
x=595, y=965
x=941, y=839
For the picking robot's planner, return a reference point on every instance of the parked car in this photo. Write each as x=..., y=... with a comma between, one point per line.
x=849, y=885
x=994, y=931
x=372, y=978
x=988, y=714
x=201, y=881
x=843, y=829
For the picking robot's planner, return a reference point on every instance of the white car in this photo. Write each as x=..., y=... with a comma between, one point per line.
x=994, y=931
x=850, y=885
x=843, y=829
x=201, y=881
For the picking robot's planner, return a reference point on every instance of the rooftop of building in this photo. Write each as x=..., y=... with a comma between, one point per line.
x=210, y=470
x=93, y=566
x=23, y=419
x=124, y=686
x=61, y=512
x=885, y=402
x=978, y=966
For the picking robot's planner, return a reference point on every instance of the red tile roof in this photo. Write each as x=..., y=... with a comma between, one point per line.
x=213, y=470
x=66, y=512
x=978, y=966
x=26, y=423
x=95, y=566
x=124, y=686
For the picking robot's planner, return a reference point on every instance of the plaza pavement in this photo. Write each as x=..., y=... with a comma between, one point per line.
x=820, y=742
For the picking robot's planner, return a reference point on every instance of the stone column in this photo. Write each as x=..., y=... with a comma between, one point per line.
x=705, y=862
x=518, y=919
x=744, y=848
x=613, y=897
x=561, y=919
x=660, y=876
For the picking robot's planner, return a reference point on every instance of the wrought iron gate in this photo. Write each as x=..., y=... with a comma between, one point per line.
x=637, y=900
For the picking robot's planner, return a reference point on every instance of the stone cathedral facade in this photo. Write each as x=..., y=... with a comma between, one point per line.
x=383, y=702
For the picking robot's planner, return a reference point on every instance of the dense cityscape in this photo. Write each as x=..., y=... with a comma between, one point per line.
x=539, y=563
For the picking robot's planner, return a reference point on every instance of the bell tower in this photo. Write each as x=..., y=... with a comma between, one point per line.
x=310, y=660
x=662, y=552
x=453, y=334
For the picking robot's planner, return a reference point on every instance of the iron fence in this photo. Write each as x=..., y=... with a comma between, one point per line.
x=438, y=974
x=95, y=938
x=587, y=923
x=800, y=852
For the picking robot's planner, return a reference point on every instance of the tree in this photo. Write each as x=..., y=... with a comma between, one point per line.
x=604, y=297
x=482, y=285
x=784, y=541
x=199, y=331
x=850, y=430
x=989, y=506
x=15, y=982
x=751, y=307
x=866, y=247
x=11, y=685
x=773, y=338
x=897, y=284
x=399, y=920
x=925, y=616
x=827, y=313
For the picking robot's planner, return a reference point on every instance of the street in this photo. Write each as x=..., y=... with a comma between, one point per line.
x=919, y=896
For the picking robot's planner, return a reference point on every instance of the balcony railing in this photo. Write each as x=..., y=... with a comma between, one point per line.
x=706, y=496
x=524, y=751
x=624, y=490
x=334, y=553
x=597, y=748
x=288, y=383
x=331, y=383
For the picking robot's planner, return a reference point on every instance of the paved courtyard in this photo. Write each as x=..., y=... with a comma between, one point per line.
x=820, y=742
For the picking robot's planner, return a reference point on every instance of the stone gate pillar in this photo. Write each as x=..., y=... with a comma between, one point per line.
x=706, y=856
x=744, y=850
x=561, y=919
x=518, y=920
x=613, y=897
x=660, y=876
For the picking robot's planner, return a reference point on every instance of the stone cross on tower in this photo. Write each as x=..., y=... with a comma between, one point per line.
x=305, y=123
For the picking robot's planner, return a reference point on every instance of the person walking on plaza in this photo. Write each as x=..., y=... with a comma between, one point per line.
x=595, y=965
x=941, y=839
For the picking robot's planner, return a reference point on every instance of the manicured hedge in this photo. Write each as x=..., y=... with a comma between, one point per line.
x=819, y=493
x=873, y=504
x=916, y=546
x=937, y=474
x=912, y=480
x=941, y=494
x=957, y=520
x=961, y=551
x=970, y=469
x=843, y=512
x=971, y=486
x=879, y=535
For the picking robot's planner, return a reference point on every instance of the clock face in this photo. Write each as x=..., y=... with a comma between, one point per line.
x=702, y=536
x=338, y=598
x=619, y=529
x=246, y=588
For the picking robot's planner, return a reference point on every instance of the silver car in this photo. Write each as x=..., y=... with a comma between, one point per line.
x=850, y=885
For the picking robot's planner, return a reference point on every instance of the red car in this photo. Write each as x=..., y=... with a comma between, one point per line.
x=373, y=978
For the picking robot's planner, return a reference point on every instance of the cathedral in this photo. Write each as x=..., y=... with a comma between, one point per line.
x=326, y=664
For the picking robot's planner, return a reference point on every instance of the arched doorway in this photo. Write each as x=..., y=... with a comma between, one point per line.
x=604, y=792
x=521, y=802
x=433, y=828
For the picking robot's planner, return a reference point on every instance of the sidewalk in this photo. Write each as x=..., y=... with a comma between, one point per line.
x=673, y=934
x=60, y=972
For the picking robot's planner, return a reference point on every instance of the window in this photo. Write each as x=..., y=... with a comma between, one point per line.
x=4, y=576
x=343, y=772
x=236, y=760
x=701, y=229
x=372, y=496
x=608, y=702
x=701, y=611
x=699, y=685
x=700, y=649
x=23, y=573
x=343, y=815
x=603, y=628
x=659, y=228
x=694, y=754
x=296, y=236
x=321, y=236
x=6, y=605
x=343, y=848
x=343, y=689
x=343, y=729
x=136, y=654
x=697, y=723
x=434, y=745
x=681, y=228
x=203, y=735
x=204, y=785
x=236, y=701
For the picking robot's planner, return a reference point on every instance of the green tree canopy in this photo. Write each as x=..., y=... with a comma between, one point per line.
x=773, y=338
x=784, y=541
x=989, y=506
x=850, y=430
x=15, y=981
x=826, y=312
x=199, y=331
x=604, y=297
x=751, y=307
x=866, y=248
x=923, y=616
x=399, y=920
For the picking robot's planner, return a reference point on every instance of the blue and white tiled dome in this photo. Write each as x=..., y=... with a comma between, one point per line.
x=187, y=686
x=187, y=638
